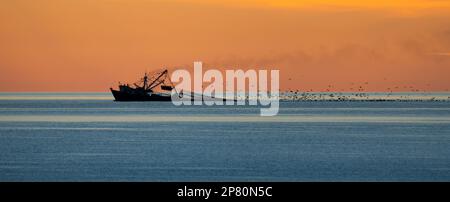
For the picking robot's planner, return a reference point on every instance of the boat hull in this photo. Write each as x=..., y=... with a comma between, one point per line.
x=138, y=97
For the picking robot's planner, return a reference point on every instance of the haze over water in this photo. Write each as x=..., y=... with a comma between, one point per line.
x=88, y=137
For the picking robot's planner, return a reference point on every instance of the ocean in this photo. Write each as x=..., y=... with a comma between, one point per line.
x=89, y=137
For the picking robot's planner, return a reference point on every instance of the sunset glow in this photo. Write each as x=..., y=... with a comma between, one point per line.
x=90, y=45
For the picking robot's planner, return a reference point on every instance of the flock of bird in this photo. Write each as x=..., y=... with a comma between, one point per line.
x=359, y=93
x=339, y=96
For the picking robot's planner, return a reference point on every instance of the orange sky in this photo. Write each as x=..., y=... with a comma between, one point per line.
x=89, y=45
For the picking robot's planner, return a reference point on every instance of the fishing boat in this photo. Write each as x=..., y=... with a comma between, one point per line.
x=146, y=89
x=155, y=86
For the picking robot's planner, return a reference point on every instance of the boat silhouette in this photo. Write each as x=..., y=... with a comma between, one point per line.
x=146, y=89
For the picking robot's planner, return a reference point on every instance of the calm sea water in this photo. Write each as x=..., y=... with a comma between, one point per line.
x=88, y=137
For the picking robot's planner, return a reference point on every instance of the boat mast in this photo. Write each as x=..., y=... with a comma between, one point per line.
x=145, y=80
